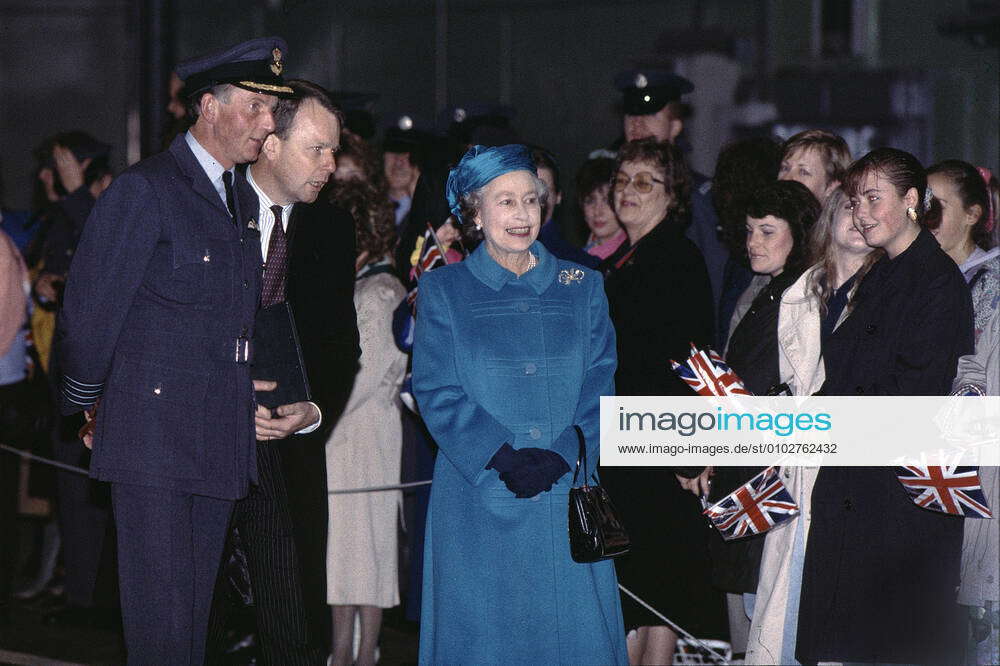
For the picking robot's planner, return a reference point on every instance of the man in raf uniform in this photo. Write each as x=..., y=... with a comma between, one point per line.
x=309, y=267
x=157, y=321
x=651, y=102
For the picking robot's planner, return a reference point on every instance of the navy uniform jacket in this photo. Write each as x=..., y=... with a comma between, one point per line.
x=160, y=298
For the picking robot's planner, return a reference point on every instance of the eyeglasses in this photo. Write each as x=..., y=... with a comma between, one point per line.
x=642, y=182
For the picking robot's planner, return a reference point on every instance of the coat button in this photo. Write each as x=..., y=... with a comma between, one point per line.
x=207, y=258
x=859, y=389
x=530, y=369
x=848, y=504
x=870, y=329
x=535, y=433
x=522, y=307
x=246, y=284
x=157, y=390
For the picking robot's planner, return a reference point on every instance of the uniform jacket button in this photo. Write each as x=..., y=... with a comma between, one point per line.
x=859, y=389
x=530, y=369
x=870, y=329
x=535, y=433
x=848, y=504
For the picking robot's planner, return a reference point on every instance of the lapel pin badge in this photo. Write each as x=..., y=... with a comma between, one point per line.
x=253, y=225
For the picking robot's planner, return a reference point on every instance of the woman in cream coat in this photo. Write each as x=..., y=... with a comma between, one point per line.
x=810, y=310
x=365, y=446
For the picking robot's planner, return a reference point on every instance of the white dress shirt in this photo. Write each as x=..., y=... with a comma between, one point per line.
x=266, y=221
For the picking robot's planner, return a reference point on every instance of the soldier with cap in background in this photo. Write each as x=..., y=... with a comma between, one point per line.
x=402, y=163
x=652, y=107
x=156, y=325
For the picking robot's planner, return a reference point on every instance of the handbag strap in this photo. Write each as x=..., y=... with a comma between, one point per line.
x=581, y=456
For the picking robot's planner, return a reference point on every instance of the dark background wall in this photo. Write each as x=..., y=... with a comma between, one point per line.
x=759, y=65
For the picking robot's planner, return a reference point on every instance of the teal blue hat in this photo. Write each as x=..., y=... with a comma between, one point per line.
x=479, y=166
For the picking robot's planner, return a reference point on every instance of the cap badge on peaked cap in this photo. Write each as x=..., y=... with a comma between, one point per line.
x=277, y=66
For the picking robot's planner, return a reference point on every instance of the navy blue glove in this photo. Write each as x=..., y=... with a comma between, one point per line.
x=504, y=459
x=528, y=472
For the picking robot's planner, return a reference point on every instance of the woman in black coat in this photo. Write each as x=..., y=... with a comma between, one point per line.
x=660, y=300
x=779, y=217
x=880, y=573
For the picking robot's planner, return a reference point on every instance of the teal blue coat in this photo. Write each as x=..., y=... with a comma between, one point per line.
x=499, y=358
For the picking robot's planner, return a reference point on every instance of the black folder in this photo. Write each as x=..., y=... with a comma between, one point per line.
x=277, y=356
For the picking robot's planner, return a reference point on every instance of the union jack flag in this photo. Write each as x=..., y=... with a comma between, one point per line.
x=707, y=374
x=431, y=256
x=949, y=489
x=755, y=507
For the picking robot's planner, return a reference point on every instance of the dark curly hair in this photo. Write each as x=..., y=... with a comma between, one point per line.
x=592, y=175
x=361, y=152
x=666, y=156
x=743, y=168
x=973, y=191
x=792, y=202
x=374, y=217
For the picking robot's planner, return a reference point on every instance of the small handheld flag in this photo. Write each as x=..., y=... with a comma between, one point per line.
x=707, y=374
x=753, y=508
x=949, y=489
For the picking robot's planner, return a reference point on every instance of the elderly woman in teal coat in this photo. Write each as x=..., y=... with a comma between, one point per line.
x=512, y=348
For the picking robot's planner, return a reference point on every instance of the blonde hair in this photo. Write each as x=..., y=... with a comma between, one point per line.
x=832, y=149
x=821, y=253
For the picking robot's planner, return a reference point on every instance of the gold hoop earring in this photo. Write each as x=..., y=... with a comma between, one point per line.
x=911, y=213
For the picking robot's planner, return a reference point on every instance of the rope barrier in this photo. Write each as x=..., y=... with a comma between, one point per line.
x=45, y=461
x=676, y=627
x=371, y=489
x=375, y=489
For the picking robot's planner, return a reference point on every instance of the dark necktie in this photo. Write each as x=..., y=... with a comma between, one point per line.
x=227, y=180
x=277, y=263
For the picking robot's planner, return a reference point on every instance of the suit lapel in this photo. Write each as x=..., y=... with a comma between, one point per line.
x=247, y=203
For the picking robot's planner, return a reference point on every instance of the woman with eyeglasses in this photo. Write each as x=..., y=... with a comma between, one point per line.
x=660, y=300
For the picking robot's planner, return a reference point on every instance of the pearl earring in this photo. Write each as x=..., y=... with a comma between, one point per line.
x=911, y=213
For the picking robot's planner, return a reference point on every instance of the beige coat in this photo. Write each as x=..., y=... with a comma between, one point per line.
x=364, y=450
x=801, y=367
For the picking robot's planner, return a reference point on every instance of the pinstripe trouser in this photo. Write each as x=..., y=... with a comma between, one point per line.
x=264, y=521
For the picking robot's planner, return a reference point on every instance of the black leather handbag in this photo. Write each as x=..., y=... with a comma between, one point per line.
x=595, y=530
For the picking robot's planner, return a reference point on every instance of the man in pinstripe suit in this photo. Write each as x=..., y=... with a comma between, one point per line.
x=295, y=163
